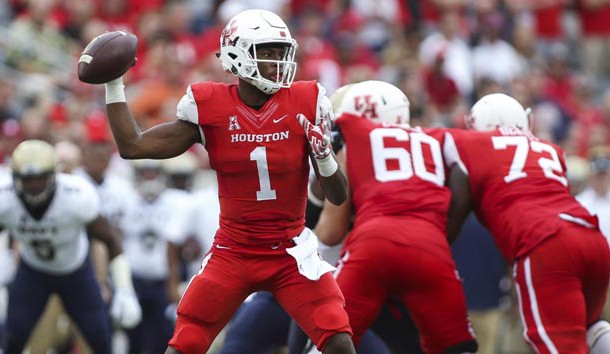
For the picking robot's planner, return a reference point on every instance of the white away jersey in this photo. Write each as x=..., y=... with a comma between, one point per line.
x=113, y=192
x=147, y=227
x=57, y=243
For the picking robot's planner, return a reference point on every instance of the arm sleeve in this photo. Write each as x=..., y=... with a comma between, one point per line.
x=324, y=109
x=187, y=111
x=451, y=153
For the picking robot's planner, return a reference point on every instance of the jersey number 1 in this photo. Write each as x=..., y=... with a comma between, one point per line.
x=259, y=154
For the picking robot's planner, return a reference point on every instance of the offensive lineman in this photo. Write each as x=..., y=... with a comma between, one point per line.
x=519, y=191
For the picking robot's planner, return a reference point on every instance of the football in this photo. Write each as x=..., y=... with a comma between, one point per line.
x=107, y=57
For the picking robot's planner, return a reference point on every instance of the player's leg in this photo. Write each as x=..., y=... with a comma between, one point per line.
x=209, y=302
x=259, y=325
x=396, y=328
x=299, y=343
x=155, y=329
x=362, y=286
x=371, y=343
x=27, y=297
x=435, y=298
x=561, y=289
x=317, y=306
x=595, y=284
x=551, y=304
x=297, y=339
x=82, y=299
x=162, y=327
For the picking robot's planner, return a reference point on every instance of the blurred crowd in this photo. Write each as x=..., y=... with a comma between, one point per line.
x=443, y=53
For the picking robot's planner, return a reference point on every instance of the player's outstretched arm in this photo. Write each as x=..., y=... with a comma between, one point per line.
x=101, y=230
x=125, y=309
x=461, y=202
x=159, y=142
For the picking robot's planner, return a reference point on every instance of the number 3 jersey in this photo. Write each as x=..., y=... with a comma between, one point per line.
x=57, y=243
x=518, y=186
x=394, y=171
x=260, y=156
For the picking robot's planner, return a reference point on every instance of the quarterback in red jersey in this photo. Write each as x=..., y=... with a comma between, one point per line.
x=260, y=135
x=516, y=184
x=398, y=245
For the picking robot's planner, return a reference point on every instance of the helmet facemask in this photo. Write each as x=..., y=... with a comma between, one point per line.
x=34, y=164
x=150, y=180
x=35, y=190
x=240, y=41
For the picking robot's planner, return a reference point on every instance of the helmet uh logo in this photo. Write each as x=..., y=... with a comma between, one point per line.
x=366, y=107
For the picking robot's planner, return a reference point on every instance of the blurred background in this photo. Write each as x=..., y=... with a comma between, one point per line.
x=550, y=54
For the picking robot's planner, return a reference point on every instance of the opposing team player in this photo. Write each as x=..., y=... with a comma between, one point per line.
x=398, y=245
x=153, y=217
x=259, y=135
x=50, y=214
x=516, y=184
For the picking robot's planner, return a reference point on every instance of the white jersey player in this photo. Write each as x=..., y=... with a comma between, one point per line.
x=147, y=226
x=50, y=214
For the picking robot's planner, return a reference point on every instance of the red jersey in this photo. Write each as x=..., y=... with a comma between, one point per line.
x=395, y=171
x=518, y=185
x=260, y=156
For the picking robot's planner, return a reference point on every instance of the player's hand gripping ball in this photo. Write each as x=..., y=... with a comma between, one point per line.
x=107, y=57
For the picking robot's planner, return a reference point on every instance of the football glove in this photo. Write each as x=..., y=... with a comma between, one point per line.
x=318, y=136
x=125, y=310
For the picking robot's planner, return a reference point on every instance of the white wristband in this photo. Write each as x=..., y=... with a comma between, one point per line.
x=120, y=272
x=115, y=91
x=327, y=166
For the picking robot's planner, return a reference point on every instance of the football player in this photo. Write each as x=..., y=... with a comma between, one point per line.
x=51, y=214
x=259, y=134
x=516, y=183
x=261, y=324
x=398, y=244
x=152, y=219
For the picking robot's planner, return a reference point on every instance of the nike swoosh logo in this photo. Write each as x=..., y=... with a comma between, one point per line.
x=223, y=247
x=279, y=119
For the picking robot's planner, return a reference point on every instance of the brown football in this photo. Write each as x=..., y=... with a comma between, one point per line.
x=107, y=57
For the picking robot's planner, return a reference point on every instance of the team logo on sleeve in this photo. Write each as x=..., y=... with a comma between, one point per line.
x=233, y=123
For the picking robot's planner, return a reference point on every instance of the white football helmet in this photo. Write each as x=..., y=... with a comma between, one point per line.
x=181, y=171
x=239, y=39
x=150, y=180
x=378, y=101
x=497, y=110
x=34, y=163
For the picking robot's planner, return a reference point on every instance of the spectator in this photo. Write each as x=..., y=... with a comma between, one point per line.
x=596, y=196
x=505, y=64
x=595, y=41
x=458, y=57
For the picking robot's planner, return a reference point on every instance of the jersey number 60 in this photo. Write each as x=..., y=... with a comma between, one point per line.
x=408, y=163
